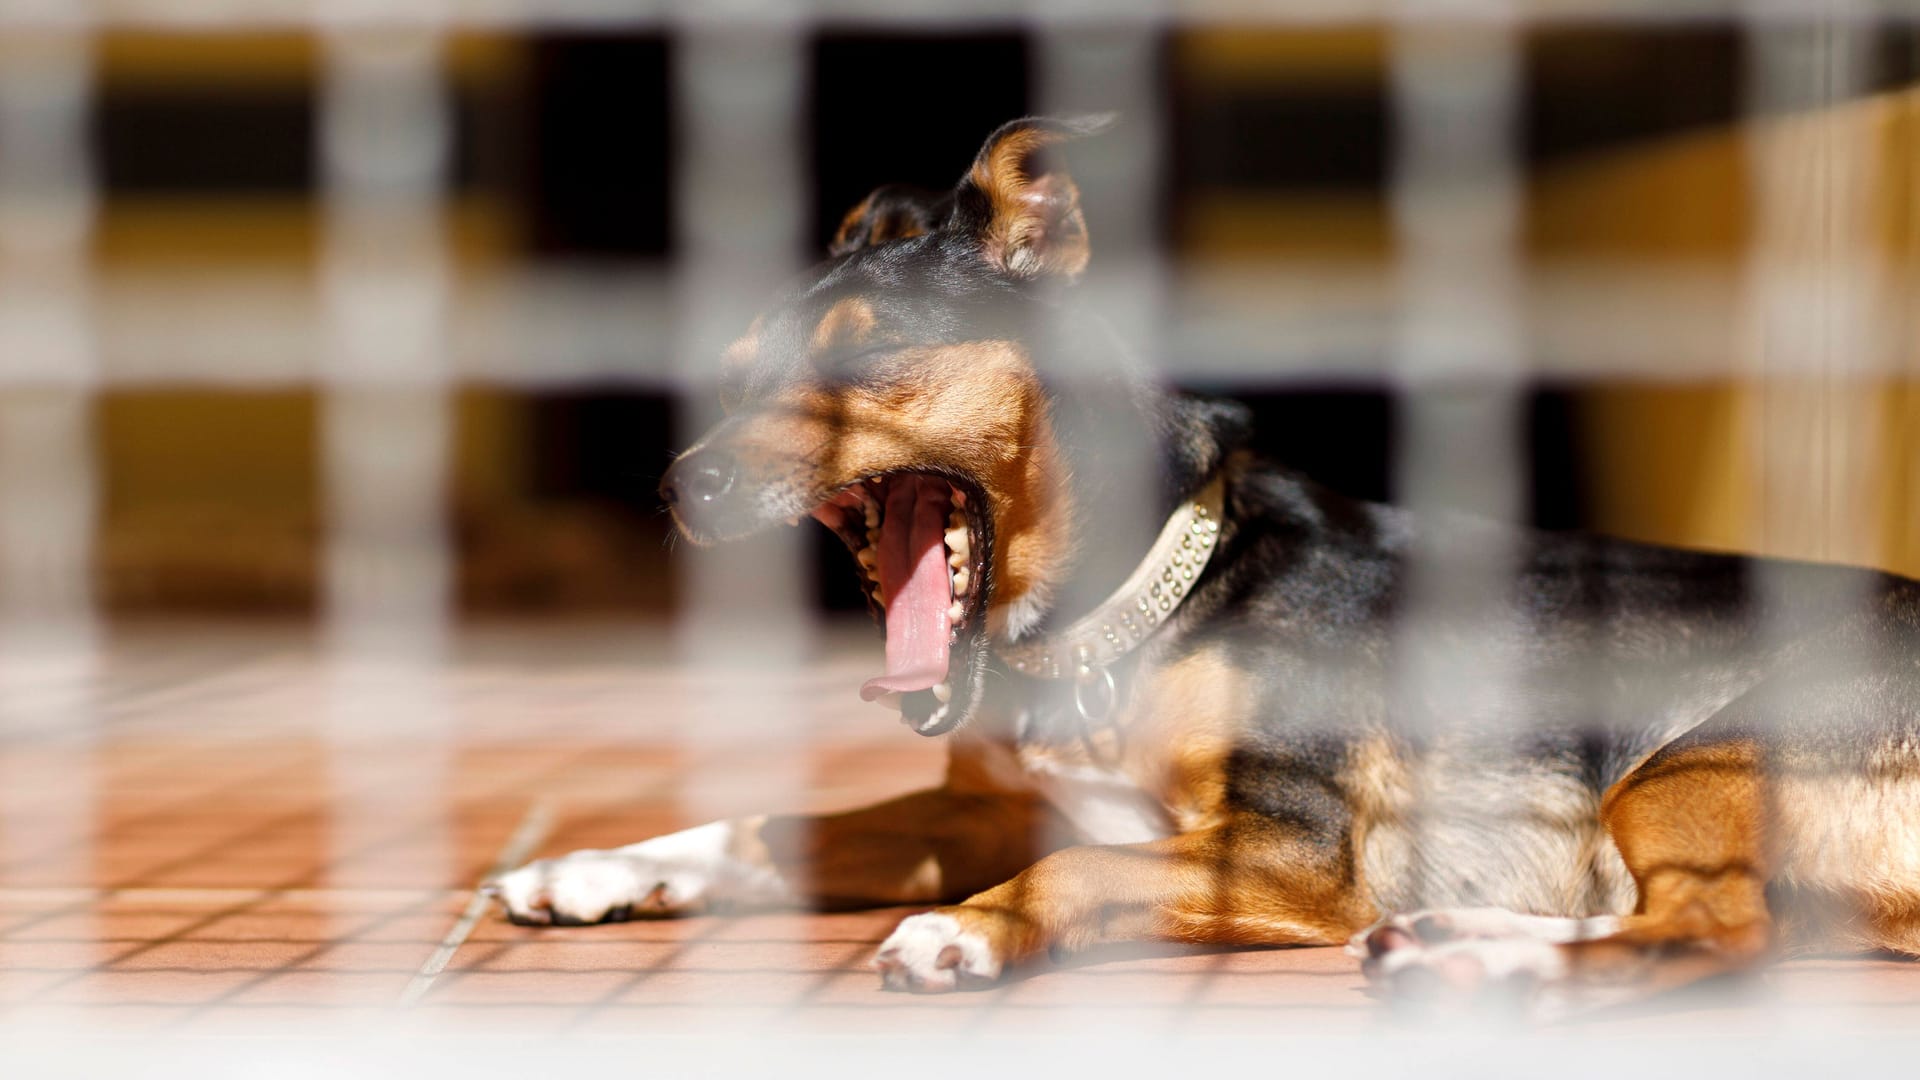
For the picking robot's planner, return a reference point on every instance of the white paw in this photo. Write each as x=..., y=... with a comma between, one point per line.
x=1437, y=926
x=931, y=954
x=676, y=874
x=598, y=886
x=1519, y=976
x=1476, y=962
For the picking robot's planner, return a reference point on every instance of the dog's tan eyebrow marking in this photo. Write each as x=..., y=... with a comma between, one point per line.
x=847, y=322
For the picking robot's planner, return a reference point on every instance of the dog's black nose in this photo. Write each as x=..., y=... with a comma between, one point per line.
x=698, y=479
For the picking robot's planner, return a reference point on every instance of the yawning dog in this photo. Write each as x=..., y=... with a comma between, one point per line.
x=1207, y=722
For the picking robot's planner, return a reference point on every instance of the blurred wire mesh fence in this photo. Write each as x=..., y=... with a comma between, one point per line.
x=363, y=357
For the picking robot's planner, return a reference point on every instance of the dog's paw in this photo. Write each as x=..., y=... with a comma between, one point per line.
x=1473, y=964
x=598, y=886
x=934, y=953
x=1441, y=925
x=677, y=874
x=1514, y=976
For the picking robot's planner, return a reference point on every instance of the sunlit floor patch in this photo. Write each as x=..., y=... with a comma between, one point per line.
x=207, y=895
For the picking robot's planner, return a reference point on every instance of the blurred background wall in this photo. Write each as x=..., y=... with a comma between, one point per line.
x=1656, y=402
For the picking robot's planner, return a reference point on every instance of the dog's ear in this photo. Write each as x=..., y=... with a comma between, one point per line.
x=1019, y=203
x=893, y=212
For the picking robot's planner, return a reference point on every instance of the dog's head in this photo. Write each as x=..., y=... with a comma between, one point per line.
x=890, y=394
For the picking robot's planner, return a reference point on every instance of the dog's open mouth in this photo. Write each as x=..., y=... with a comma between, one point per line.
x=923, y=546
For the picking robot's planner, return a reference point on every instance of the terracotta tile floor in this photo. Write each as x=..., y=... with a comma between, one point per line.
x=213, y=827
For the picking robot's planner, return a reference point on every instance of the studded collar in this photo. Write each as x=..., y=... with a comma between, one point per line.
x=1150, y=595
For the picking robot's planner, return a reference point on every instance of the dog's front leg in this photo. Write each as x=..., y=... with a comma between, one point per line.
x=1242, y=883
x=931, y=845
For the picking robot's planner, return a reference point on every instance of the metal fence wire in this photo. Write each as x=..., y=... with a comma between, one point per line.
x=1457, y=309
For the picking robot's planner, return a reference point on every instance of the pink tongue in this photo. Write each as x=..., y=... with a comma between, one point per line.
x=914, y=582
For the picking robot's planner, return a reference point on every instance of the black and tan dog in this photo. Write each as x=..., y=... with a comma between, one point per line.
x=1207, y=732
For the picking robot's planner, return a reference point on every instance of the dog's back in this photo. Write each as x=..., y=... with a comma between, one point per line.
x=1479, y=737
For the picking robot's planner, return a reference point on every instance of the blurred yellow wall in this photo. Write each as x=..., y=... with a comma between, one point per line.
x=1807, y=448
x=208, y=498
x=211, y=496
x=1732, y=451
x=1323, y=224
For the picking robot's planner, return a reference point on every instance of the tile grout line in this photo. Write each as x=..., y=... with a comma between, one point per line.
x=526, y=836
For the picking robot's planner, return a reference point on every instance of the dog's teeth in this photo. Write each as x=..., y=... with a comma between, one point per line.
x=943, y=692
x=868, y=558
x=872, y=513
x=957, y=560
x=874, y=479
x=956, y=611
x=959, y=497
x=956, y=520
x=957, y=540
x=962, y=581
